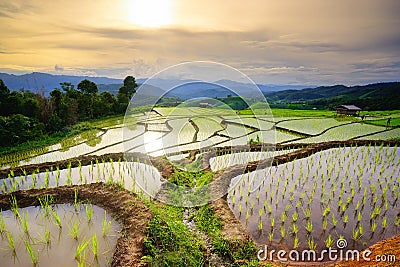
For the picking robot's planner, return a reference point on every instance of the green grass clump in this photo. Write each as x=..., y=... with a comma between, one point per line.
x=169, y=242
x=237, y=253
x=207, y=221
x=182, y=178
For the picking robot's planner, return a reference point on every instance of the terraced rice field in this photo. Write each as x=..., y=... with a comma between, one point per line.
x=311, y=126
x=316, y=191
x=166, y=129
x=350, y=193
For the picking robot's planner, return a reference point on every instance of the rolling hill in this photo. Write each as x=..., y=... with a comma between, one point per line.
x=372, y=96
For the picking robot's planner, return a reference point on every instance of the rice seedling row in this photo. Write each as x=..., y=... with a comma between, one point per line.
x=62, y=235
x=341, y=192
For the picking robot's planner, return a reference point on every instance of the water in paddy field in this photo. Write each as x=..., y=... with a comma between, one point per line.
x=134, y=176
x=350, y=193
x=58, y=247
x=242, y=158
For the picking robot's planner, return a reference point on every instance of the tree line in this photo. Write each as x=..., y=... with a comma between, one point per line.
x=26, y=116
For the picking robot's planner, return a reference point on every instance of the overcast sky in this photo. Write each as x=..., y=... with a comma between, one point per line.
x=307, y=42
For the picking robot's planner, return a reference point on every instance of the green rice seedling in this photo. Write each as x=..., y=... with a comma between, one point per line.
x=271, y=236
x=373, y=226
x=326, y=211
x=32, y=253
x=76, y=200
x=357, y=206
x=346, y=219
x=74, y=230
x=324, y=224
x=295, y=242
x=344, y=208
x=11, y=242
x=57, y=177
x=373, y=188
x=47, y=236
x=283, y=217
x=309, y=226
x=260, y=225
x=384, y=222
x=24, y=220
x=375, y=199
x=272, y=222
x=269, y=209
x=361, y=230
x=349, y=200
x=46, y=179
x=307, y=212
x=364, y=200
x=356, y=234
x=45, y=202
x=260, y=212
x=295, y=216
x=14, y=206
x=359, y=217
x=287, y=207
x=334, y=220
x=57, y=219
x=95, y=249
x=283, y=231
x=295, y=229
x=79, y=249
x=106, y=225
x=2, y=223
x=34, y=180
x=311, y=243
x=329, y=241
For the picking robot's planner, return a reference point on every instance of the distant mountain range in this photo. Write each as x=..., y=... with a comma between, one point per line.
x=38, y=81
x=44, y=82
x=372, y=96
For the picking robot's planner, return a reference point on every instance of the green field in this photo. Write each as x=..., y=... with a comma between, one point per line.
x=291, y=204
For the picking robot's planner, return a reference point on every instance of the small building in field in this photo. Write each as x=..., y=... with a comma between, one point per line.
x=348, y=110
x=205, y=105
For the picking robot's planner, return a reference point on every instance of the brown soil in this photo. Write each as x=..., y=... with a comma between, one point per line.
x=127, y=209
x=232, y=229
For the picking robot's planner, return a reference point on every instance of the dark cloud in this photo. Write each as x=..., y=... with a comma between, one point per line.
x=58, y=68
x=10, y=9
x=310, y=41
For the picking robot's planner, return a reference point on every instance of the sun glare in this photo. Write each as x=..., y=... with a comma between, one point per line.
x=150, y=13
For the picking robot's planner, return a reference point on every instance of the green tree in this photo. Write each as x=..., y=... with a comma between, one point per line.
x=4, y=94
x=4, y=91
x=18, y=128
x=125, y=92
x=56, y=97
x=105, y=104
x=89, y=90
x=88, y=87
